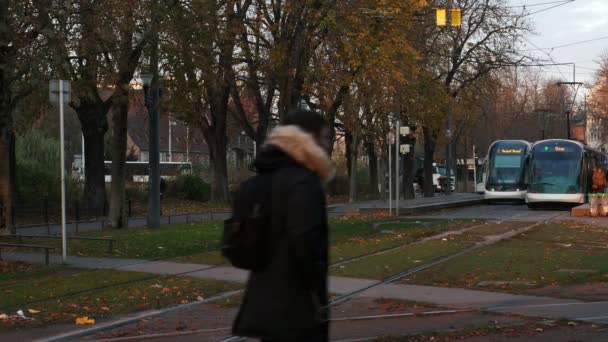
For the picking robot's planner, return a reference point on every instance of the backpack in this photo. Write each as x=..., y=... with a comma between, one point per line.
x=246, y=241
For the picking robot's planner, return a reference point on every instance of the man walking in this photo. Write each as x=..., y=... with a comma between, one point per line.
x=286, y=300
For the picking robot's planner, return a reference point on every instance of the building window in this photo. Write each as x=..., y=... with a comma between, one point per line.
x=164, y=157
x=143, y=156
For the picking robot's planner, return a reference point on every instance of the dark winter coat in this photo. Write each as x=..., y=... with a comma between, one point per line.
x=285, y=301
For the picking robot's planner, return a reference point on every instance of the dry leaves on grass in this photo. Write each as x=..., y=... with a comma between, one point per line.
x=14, y=266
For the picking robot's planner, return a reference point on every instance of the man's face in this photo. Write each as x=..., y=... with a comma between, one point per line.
x=324, y=139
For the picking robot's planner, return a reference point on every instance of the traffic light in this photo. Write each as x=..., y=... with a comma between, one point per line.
x=441, y=17
x=456, y=17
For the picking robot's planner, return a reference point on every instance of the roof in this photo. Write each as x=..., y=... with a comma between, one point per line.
x=138, y=128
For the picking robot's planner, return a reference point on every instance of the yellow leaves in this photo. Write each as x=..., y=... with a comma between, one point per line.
x=85, y=320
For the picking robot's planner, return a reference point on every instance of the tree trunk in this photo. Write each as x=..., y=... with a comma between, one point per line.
x=352, y=189
x=430, y=141
x=372, y=157
x=118, y=196
x=219, y=185
x=348, y=146
x=383, y=173
x=6, y=224
x=95, y=186
x=6, y=125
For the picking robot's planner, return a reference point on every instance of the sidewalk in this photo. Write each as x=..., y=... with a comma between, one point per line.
x=413, y=206
x=445, y=297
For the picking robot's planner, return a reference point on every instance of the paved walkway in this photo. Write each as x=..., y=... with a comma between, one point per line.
x=412, y=206
x=446, y=297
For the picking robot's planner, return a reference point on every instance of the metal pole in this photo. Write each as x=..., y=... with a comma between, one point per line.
x=397, y=144
x=170, y=153
x=585, y=109
x=154, y=161
x=390, y=175
x=83, y=158
x=188, y=144
x=64, y=246
x=474, y=171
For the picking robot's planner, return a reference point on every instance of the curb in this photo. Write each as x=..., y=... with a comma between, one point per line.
x=427, y=207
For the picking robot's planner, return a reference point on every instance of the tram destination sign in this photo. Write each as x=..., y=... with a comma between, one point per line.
x=510, y=150
x=558, y=149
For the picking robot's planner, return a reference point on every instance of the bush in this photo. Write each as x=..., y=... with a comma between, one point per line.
x=37, y=167
x=189, y=187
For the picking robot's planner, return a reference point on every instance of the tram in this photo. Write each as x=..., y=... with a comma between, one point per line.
x=561, y=172
x=505, y=170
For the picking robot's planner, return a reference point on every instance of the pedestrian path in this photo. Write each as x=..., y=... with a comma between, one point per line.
x=413, y=206
x=446, y=297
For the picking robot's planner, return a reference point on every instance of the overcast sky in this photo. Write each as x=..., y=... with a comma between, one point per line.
x=573, y=22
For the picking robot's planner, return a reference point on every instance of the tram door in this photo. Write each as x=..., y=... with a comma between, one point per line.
x=482, y=177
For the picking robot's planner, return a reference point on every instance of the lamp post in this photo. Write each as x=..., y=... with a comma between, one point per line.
x=152, y=95
x=187, y=143
x=171, y=123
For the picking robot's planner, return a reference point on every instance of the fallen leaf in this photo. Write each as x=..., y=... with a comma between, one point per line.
x=84, y=321
x=200, y=298
x=105, y=308
x=32, y=311
x=539, y=330
x=4, y=317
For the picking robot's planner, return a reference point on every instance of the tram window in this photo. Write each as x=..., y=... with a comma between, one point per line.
x=556, y=172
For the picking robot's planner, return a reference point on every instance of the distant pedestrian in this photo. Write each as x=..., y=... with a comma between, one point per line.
x=598, y=180
x=286, y=299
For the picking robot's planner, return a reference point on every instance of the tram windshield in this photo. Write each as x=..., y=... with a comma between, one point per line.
x=507, y=166
x=556, y=168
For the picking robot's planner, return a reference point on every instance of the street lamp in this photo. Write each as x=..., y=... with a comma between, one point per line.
x=171, y=123
x=152, y=95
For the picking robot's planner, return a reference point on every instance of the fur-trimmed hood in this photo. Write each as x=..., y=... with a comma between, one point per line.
x=302, y=148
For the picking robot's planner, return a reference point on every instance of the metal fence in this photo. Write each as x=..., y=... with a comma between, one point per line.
x=45, y=217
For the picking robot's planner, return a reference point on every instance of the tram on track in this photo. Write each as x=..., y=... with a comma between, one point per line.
x=561, y=172
x=505, y=170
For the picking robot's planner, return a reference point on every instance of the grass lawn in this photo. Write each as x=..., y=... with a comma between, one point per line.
x=389, y=236
x=167, y=242
x=353, y=238
x=67, y=293
x=199, y=242
x=534, y=257
x=228, y=302
x=387, y=264
x=489, y=230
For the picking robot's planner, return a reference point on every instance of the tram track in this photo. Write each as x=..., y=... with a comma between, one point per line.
x=210, y=267
x=333, y=320
x=398, y=276
x=344, y=298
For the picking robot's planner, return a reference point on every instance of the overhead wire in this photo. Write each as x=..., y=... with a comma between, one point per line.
x=567, y=45
x=541, y=4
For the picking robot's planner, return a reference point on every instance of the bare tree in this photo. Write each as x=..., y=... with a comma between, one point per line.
x=488, y=40
x=199, y=53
